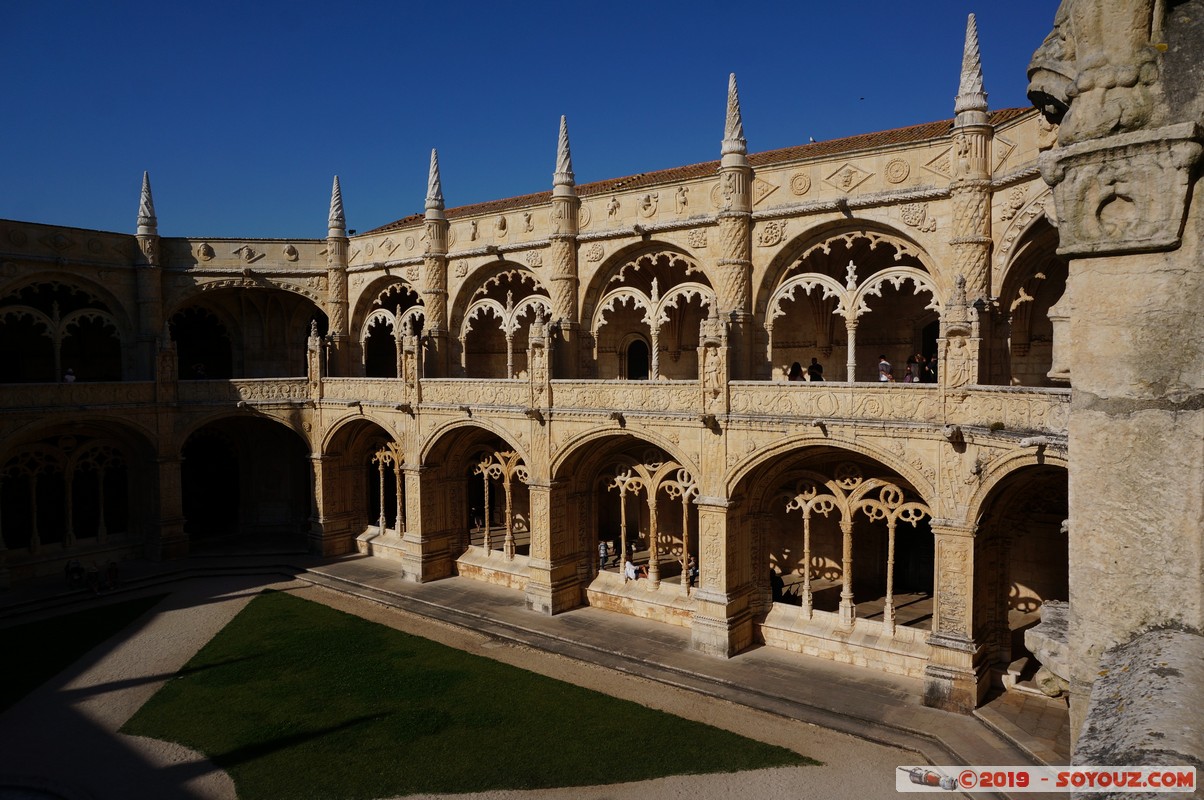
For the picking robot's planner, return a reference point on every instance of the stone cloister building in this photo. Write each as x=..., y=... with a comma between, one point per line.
x=493, y=391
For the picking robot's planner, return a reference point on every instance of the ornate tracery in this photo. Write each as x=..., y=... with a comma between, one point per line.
x=848, y=493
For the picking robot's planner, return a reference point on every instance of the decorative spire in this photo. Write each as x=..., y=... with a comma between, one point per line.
x=148, y=224
x=434, y=190
x=733, y=129
x=337, y=224
x=971, y=103
x=563, y=176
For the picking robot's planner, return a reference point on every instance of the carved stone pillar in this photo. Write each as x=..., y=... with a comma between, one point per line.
x=169, y=541
x=722, y=623
x=734, y=266
x=149, y=283
x=330, y=533
x=426, y=544
x=553, y=584
x=954, y=678
x=434, y=277
x=1122, y=81
x=337, y=306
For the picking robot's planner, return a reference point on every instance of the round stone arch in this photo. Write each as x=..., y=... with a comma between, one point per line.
x=370, y=295
x=594, y=287
x=335, y=429
x=486, y=351
x=360, y=482
x=57, y=323
x=1003, y=468
x=815, y=314
x=1030, y=281
x=266, y=323
x=123, y=317
x=1026, y=217
x=480, y=277
x=246, y=475
x=889, y=459
x=572, y=446
x=823, y=236
x=93, y=492
x=836, y=559
x=192, y=424
x=437, y=438
x=1021, y=560
x=124, y=428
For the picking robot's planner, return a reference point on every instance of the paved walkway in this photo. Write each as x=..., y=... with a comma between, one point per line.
x=865, y=704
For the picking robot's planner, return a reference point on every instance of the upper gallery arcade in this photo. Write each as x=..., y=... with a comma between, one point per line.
x=529, y=390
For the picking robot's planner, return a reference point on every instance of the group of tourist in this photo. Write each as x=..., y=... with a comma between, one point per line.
x=919, y=369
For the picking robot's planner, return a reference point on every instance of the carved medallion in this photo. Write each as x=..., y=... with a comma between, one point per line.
x=800, y=183
x=916, y=215
x=717, y=198
x=897, y=171
x=95, y=246
x=409, y=243
x=1015, y=201
x=535, y=259
x=697, y=238
x=412, y=274
x=290, y=252
x=583, y=216
x=17, y=237
x=647, y=204
x=204, y=251
x=771, y=233
x=594, y=252
x=461, y=269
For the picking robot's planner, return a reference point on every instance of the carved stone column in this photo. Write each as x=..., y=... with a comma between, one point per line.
x=553, y=584
x=722, y=623
x=970, y=193
x=337, y=304
x=434, y=277
x=169, y=541
x=562, y=254
x=1122, y=79
x=330, y=533
x=954, y=678
x=149, y=287
x=426, y=553
x=734, y=267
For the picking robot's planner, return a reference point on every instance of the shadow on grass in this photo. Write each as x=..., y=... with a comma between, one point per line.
x=331, y=705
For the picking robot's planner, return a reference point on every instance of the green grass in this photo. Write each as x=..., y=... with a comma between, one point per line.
x=298, y=700
x=37, y=651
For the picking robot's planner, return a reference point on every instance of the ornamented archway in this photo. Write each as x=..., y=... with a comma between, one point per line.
x=867, y=292
x=47, y=329
x=495, y=321
x=394, y=308
x=661, y=294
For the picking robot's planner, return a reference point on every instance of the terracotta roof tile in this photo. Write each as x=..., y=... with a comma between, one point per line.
x=864, y=141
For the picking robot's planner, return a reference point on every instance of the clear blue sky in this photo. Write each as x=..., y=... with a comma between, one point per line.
x=243, y=111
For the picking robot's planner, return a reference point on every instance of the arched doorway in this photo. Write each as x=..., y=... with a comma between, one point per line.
x=637, y=361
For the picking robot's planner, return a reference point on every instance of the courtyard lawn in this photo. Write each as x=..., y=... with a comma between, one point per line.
x=40, y=650
x=295, y=699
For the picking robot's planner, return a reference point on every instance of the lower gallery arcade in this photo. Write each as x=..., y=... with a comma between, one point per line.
x=816, y=542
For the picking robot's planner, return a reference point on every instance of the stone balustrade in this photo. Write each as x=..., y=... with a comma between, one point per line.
x=58, y=395
x=1009, y=408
